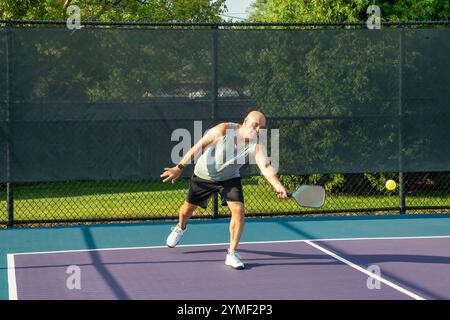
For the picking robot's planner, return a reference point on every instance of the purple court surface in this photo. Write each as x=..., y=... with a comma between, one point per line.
x=348, y=269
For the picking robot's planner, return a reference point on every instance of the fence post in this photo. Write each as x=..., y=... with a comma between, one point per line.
x=214, y=93
x=401, y=175
x=9, y=185
x=10, y=204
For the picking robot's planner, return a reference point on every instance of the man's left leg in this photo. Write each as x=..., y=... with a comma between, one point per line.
x=236, y=223
x=236, y=228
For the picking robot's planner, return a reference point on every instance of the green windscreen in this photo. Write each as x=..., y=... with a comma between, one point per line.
x=105, y=104
x=3, y=105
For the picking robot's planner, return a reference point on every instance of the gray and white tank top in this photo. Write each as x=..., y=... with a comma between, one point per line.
x=223, y=160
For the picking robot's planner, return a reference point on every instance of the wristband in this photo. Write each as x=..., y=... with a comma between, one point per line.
x=180, y=166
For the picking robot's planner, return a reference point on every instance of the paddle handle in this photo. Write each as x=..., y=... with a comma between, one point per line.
x=289, y=194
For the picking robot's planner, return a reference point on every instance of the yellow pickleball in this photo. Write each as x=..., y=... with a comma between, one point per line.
x=391, y=185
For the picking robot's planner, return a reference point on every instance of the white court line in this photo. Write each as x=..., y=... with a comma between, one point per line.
x=12, y=284
x=227, y=243
x=370, y=274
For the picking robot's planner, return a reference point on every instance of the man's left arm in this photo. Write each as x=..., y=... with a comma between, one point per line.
x=263, y=162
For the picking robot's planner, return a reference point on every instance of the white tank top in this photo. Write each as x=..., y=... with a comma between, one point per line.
x=223, y=160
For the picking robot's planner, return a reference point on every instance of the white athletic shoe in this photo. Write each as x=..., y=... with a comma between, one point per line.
x=175, y=236
x=234, y=260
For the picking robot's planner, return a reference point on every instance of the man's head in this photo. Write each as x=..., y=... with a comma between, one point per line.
x=253, y=123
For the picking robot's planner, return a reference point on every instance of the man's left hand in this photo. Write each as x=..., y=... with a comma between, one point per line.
x=281, y=192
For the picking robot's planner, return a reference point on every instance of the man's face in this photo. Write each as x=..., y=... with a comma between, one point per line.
x=252, y=126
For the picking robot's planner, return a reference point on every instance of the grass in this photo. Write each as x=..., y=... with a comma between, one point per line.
x=86, y=200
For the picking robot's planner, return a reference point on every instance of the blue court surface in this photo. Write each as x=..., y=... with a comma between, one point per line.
x=398, y=257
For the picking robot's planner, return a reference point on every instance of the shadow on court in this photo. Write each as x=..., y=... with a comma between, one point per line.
x=118, y=290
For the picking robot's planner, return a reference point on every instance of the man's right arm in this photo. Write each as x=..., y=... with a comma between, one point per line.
x=212, y=136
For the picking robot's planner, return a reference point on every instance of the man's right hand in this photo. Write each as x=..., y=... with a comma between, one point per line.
x=171, y=174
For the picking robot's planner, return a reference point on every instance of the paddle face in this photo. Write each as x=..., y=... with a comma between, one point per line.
x=309, y=196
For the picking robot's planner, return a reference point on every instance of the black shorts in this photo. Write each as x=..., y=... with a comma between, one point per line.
x=201, y=190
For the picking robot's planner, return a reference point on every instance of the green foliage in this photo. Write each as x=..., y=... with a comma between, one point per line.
x=345, y=10
x=305, y=10
x=414, y=10
x=331, y=182
x=116, y=10
x=378, y=181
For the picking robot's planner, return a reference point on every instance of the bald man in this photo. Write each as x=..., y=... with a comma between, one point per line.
x=224, y=149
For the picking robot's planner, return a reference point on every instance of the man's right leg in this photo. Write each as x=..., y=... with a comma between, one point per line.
x=186, y=211
x=199, y=193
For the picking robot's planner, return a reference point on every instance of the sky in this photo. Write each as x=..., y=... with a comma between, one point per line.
x=237, y=8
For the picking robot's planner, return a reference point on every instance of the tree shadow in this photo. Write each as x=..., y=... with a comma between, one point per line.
x=97, y=261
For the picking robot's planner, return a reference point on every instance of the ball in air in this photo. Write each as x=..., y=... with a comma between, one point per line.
x=391, y=185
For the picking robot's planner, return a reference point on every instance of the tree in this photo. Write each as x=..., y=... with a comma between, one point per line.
x=116, y=10
x=344, y=10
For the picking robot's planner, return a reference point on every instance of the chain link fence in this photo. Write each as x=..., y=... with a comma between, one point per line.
x=347, y=194
x=28, y=203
